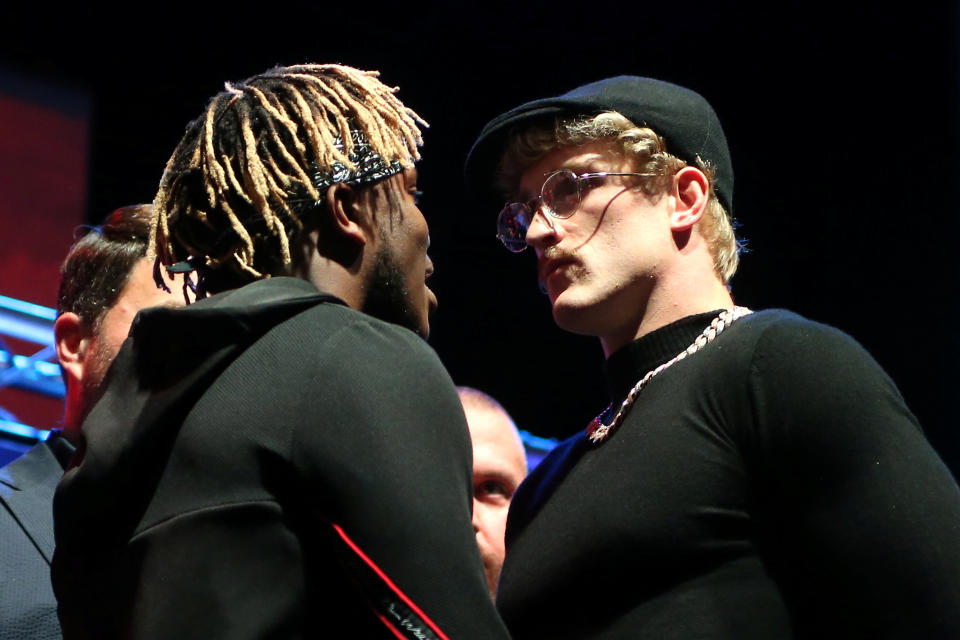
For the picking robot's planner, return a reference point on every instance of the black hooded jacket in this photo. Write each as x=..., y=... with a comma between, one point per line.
x=268, y=463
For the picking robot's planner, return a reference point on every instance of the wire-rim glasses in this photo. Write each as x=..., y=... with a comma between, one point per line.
x=559, y=197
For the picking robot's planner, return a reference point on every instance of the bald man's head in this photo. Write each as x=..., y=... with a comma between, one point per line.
x=499, y=466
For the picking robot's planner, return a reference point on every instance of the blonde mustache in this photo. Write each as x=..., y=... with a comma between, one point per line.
x=556, y=253
x=553, y=253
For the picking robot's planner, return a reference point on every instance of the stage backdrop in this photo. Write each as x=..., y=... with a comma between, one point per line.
x=43, y=177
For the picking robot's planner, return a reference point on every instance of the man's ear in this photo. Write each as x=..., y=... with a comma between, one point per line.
x=72, y=342
x=347, y=215
x=691, y=190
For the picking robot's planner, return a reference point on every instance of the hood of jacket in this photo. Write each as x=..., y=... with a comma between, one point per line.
x=169, y=361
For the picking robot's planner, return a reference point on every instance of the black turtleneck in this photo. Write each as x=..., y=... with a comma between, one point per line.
x=771, y=485
x=631, y=362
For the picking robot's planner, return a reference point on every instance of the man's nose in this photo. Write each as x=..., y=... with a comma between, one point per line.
x=476, y=518
x=543, y=230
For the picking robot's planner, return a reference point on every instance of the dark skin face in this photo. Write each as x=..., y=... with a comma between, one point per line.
x=370, y=250
x=397, y=290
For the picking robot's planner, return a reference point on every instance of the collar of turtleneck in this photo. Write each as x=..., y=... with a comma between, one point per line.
x=631, y=362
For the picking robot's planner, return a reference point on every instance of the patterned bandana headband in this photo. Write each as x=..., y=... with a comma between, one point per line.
x=370, y=167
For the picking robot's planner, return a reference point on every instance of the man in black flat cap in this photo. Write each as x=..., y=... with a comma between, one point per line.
x=757, y=475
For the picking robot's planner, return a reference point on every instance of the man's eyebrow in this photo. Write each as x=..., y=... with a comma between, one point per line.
x=498, y=475
x=592, y=163
x=589, y=164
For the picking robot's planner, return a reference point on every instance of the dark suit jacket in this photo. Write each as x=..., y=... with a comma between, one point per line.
x=28, y=609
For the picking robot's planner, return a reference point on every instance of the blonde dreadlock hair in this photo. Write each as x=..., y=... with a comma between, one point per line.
x=238, y=188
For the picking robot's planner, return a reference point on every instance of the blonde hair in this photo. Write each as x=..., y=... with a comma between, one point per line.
x=235, y=192
x=647, y=150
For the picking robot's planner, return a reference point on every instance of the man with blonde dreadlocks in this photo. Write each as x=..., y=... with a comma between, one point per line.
x=275, y=460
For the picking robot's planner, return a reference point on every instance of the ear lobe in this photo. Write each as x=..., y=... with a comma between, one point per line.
x=690, y=195
x=72, y=342
x=345, y=214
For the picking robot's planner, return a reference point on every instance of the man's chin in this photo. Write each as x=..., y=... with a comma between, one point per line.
x=573, y=318
x=428, y=313
x=491, y=570
x=419, y=323
x=389, y=299
x=424, y=330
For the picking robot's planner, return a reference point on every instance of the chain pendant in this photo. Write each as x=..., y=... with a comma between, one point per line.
x=597, y=431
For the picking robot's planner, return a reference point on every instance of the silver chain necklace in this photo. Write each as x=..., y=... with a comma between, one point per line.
x=597, y=432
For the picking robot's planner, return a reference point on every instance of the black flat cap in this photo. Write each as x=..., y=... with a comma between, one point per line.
x=684, y=119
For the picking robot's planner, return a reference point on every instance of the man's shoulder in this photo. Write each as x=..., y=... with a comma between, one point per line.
x=780, y=326
x=785, y=321
x=352, y=348
x=275, y=302
x=788, y=346
x=36, y=466
x=287, y=312
x=363, y=333
x=781, y=330
x=793, y=359
x=27, y=485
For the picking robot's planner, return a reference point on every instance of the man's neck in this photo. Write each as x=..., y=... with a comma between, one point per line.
x=668, y=302
x=345, y=281
x=73, y=418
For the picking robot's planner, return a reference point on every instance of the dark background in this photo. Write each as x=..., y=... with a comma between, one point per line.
x=842, y=121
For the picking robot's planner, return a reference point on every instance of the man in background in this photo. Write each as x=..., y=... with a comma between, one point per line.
x=105, y=281
x=499, y=466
